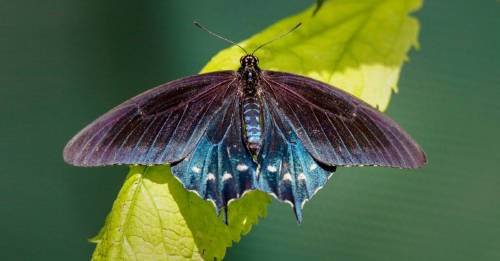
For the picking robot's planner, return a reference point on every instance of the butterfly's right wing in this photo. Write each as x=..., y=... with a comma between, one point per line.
x=162, y=125
x=309, y=128
x=337, y=128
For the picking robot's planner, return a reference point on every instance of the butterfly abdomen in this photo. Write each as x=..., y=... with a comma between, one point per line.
x=251, y=121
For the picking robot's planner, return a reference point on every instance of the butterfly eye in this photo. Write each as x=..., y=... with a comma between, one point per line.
x=242, y=60
x=256, y=60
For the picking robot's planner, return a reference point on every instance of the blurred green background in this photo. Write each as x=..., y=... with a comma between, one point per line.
x=63, y=63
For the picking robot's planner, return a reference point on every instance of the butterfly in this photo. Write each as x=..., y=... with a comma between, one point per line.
x=229, y=132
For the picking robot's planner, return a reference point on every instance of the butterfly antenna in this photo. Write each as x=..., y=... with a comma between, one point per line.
x=268, y=42
x=218, y=36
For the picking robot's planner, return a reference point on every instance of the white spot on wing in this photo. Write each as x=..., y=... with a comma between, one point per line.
x=287, y=177
x=241, y=167
x=271, y=168
x=316, y=190
x=302, y=176
x=226, y=176
x=313, y=166
x=303, y=203
x=196, y=169
x=289, y=202
x=210, y=176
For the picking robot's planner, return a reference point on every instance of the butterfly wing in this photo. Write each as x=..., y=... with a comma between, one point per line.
x=220, y=168
x=286, y=169
x=193, y=123
x=338, y=129
x=309, y=128
x=162, y=125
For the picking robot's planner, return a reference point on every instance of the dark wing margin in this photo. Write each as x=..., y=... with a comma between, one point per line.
x=338, y=129
x=162, y=125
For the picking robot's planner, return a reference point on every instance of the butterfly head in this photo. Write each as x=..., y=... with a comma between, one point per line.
x=249, y=70
x=249, y=61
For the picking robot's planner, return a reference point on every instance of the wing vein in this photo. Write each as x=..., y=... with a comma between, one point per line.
x=295, y=115
x=152, y=146
x=324, y=133
x=130, y=119
x=134, y=150
x=341, y=140
x=169, y=143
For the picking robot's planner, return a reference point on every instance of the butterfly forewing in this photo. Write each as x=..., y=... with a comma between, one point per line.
x=336, y=128
x=162, y=125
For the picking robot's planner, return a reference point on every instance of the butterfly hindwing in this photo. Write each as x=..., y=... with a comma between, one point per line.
x=220, y=168
x=336, y=128
x=286, y=169
x=159, y=126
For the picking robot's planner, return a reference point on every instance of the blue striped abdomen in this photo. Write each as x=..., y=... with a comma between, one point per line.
x=251, y=120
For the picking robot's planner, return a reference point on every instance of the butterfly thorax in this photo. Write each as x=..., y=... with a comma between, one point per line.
x=250, y=75
x=249, y=71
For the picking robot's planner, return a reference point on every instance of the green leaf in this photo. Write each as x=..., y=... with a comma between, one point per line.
x=155, y=218
x=358, y=46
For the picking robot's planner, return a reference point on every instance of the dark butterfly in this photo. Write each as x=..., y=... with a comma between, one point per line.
x=228, y=132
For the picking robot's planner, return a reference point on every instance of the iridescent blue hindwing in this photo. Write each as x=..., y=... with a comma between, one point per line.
x=286, y=169
x=220, y=168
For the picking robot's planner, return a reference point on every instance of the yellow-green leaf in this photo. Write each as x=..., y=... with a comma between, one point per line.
x=319, y=3
x=355, y=45
x=155, y=218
